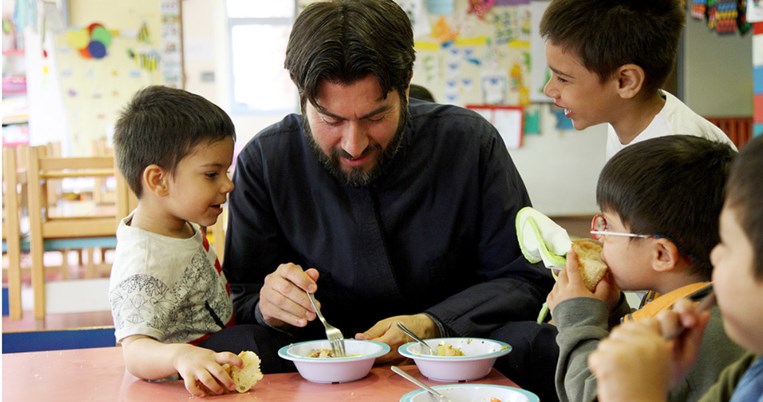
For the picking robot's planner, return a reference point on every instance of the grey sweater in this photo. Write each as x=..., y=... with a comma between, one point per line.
x=582, y=322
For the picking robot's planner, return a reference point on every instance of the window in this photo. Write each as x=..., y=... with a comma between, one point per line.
x=259, y=32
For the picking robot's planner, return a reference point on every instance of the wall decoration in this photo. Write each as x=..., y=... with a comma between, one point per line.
x=91, y=42
x=478, y=60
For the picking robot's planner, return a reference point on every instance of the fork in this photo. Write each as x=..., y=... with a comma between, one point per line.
x=334, y=335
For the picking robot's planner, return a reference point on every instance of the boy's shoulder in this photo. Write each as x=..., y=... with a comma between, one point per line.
x=654, y=302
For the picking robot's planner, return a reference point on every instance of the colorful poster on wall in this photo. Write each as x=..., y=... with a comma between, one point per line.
x=476, y=54
x=171, y=44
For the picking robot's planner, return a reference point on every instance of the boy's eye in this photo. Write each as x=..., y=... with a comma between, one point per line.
x=560, y=79
x=211, y=175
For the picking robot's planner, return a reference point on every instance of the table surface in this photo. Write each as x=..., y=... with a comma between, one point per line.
x=99, y=374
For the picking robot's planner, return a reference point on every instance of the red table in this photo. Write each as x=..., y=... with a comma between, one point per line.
x=99, y=375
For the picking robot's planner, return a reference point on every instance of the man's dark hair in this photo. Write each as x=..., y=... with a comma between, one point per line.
x=670, y=186
x=160, y=126
x=342, y=41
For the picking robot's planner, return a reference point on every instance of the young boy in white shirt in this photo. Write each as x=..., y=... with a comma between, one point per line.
x=167, y=290
x=608, y=60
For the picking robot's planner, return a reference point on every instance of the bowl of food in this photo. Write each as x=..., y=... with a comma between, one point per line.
x=316, y=362
x=474, y=393
x=457, y=359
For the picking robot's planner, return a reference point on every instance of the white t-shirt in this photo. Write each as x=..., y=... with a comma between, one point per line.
x=166, y=288
x=674, y=118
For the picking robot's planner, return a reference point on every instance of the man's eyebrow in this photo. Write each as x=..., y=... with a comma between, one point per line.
x=380, y=109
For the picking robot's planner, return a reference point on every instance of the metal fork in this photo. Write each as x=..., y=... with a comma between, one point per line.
x=334, y=335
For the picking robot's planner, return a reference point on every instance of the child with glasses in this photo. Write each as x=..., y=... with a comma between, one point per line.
x=640, y=362
x=660, y=201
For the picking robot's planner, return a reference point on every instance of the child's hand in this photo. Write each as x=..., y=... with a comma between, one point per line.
x=202, y=370
x=633, y=363
x=569, y=283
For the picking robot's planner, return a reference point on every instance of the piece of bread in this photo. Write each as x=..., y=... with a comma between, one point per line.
x=247, y=376
x=592, y=268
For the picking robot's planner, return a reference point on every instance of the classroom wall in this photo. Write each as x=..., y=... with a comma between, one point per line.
x=717, y=71
x=560, y=167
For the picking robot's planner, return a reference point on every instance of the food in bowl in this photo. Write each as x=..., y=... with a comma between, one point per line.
x=320, y=353
x=361, y=355
x=446, y=349
x=478, y=358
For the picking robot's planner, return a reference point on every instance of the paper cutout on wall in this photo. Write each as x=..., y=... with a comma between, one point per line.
x=532, y=120
x=480, y=7
x=91, y=42
x=443, y=32
x=440, y=7
x=508, y=120
x=143, y=34
x=562, y=122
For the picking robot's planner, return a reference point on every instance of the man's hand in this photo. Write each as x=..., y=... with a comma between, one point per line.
x=387, y=331
x=282, y=298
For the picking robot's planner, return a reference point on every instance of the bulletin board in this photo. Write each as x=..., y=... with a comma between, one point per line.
x=100, y=61
x=479, y=52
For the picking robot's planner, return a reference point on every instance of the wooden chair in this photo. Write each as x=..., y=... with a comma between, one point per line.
x=81, y=227
x=14, y=183
x=103, y=190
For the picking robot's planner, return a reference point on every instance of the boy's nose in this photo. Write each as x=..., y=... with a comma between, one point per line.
x=228, y=186
x=549, y=89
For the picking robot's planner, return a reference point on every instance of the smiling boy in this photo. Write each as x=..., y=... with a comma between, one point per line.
x=608, y=60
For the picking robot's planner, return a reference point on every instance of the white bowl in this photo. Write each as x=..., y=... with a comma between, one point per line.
x=473, y=393
x=479, y=356
x=361, y=357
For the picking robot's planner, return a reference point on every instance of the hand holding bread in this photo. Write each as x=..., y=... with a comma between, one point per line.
x=592, y=268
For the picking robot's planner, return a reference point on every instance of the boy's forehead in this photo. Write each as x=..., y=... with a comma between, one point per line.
x=559, y=56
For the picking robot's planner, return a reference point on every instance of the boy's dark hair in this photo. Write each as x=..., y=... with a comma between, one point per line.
x=420, y=92
x=160, y=125
x=670, y=186
x=342, y=41
x=744, y=193
x=607, y=34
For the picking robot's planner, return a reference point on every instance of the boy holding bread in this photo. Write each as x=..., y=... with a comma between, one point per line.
x=660, y=201
x=641, y=360
x=167, y=291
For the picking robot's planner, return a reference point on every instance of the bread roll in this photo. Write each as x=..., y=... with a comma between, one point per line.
x=250, y=374
x=592, y=268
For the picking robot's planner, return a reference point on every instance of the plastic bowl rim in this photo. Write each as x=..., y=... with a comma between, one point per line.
x=283, y=353
x=531, y=396
x=505, y=348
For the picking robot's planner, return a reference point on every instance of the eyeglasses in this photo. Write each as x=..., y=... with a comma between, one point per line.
x=599, y=230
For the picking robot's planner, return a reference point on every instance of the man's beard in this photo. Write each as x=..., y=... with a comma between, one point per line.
x=357, y=176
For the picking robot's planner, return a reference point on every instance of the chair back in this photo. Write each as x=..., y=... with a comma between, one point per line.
x=66, y=221
x=13, y=184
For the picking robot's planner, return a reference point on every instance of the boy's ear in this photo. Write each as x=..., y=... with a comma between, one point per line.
x=630, y=79
x=155, y=180
x=665, y=255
